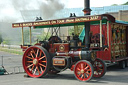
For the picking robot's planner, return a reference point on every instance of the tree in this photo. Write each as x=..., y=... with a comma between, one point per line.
x=115, y=5
x=43, y=36
x=125, y=3
x=6, y=41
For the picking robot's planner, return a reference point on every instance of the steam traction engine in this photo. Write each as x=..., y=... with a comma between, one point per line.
x=55, y=55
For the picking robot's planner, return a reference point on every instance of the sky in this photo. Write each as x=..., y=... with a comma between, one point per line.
x=10, y=9
x=93, y=3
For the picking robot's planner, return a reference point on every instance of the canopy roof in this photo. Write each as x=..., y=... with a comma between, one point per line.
x=71, y=21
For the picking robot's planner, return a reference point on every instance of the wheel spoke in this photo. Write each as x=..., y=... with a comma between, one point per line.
x=86, y=73
x=35, y=71
x=79, y=74
x=86, y=68
x=42, y=65
x=42, y=57
x=37, y=53
x=40, y=54
x=38, y=70
x=78, y=69
x=33, y=52
x=32, y=67
x=29, y=57
x=82, y=65
x=43, y=61
x=41, y=68
x=29, y=61
x=100, y=69
x=82, y=76
x=29, y=66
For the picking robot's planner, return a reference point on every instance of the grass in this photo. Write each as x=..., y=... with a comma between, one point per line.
x=10, y=50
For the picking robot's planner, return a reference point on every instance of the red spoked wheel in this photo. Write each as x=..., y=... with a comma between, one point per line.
x=83, y=70
x=36, y=61
x=99, y=68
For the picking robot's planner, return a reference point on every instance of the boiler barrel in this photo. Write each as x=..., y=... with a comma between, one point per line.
x=83, y=55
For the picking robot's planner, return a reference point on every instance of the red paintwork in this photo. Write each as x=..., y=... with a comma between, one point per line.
x=86, y=68
x=26, y=63
x=127, y=39
x=56, y=47
x=72, y=68
x=23, y=47
x=99, y=68
x=104, y=55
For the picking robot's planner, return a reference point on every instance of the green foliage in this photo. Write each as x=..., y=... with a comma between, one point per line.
x=43, y=36
x=14, y=51
x=6, y=41
x=121, y=4
x=125, y=3
x=115, y=5
x=71, y=30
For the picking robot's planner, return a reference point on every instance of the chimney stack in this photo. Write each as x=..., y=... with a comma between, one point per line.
x=87, y=11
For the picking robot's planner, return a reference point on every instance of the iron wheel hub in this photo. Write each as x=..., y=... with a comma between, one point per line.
x=35, y=61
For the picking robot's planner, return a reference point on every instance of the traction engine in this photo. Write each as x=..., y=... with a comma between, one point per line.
x=54, y=56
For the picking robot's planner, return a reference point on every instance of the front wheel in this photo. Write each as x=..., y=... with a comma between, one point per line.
x=36, y=61
x=99, y=68
x=83, y=70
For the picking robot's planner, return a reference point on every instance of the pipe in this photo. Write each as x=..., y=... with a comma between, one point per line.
x=87, y=9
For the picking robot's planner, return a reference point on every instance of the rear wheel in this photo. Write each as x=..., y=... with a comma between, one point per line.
x=83, y=70
x=36, y=61
x=99, y=68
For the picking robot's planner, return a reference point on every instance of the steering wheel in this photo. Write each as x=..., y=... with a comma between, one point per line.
x=54, y=39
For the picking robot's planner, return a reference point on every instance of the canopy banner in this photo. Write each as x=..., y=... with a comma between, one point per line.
x=58, y=21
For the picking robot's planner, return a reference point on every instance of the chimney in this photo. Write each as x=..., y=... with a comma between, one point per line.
x=87, y=11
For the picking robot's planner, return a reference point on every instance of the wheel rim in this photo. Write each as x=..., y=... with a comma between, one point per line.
x=83, y=71
x=99, y=68
x=34, y=62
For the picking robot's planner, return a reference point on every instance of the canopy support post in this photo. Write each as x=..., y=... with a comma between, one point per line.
x=22, y=36
x=30, y=35
x=108, y=32
x=100, y=33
